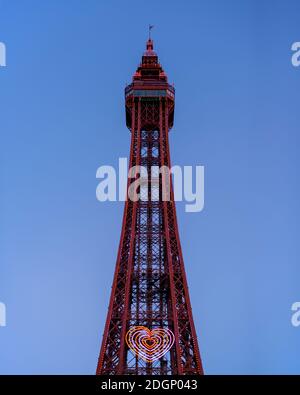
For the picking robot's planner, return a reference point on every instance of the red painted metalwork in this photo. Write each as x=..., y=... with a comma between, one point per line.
x=150, y=287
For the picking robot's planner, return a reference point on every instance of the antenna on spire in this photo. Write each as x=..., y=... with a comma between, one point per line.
x=150, y=28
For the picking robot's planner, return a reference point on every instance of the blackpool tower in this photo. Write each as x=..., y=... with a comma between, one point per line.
x=149, y=328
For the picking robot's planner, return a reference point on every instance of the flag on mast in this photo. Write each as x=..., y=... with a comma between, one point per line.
x=150, y=28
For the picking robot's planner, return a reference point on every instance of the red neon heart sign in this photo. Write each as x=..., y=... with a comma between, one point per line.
x=150, y=345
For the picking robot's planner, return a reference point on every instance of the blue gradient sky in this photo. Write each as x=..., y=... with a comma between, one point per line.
x=62, y=116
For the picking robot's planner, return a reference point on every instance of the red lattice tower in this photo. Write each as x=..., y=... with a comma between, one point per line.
x=150, y=287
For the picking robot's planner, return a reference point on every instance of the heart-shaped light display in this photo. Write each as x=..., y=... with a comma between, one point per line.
x=150, y=345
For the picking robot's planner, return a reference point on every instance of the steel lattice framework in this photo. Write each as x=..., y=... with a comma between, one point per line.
x=150, y=286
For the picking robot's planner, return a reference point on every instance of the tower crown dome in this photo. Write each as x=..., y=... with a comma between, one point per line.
x=149, y=48
x=150, y=68
x=150, y=56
